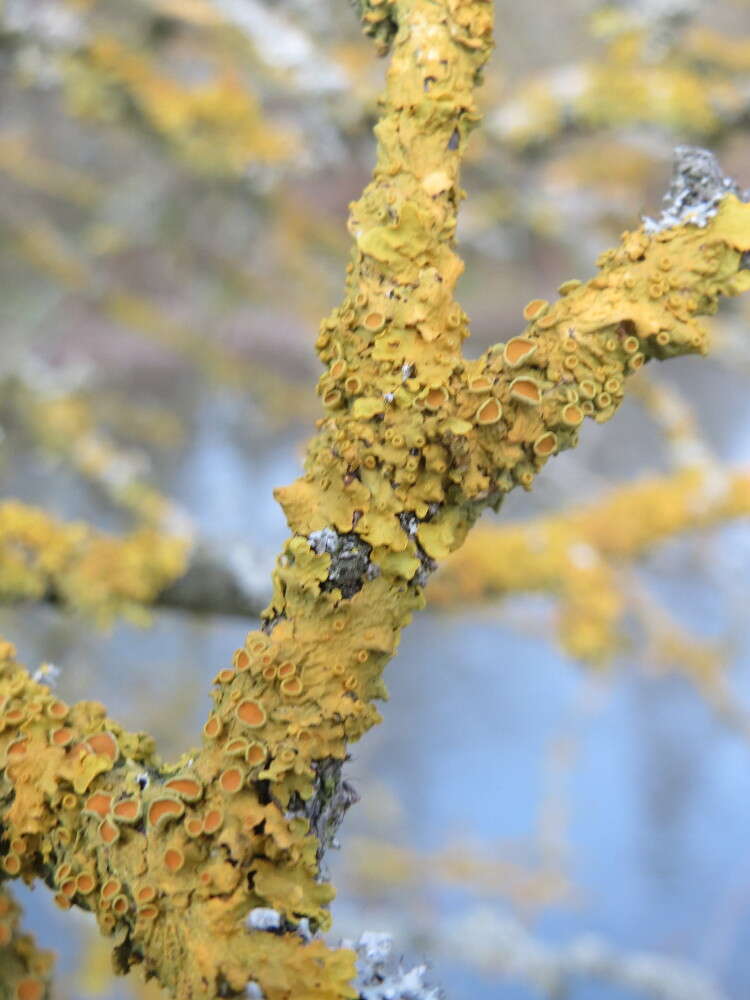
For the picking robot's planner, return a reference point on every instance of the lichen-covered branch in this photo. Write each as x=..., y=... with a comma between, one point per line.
x=181, y=863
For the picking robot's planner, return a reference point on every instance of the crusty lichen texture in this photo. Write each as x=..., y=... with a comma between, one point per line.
x=170, y=859
x=416, y=440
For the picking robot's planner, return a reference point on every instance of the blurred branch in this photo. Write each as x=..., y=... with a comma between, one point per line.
x=215, y=127
x=501, y=945
x=672, y=413
x=373, y=866
x=59, y=419
x=25, y=969
x=284, y=46
x=42, y=246
x=575, y=555
x=653, y=73
x=42, y=558
x=669, y=646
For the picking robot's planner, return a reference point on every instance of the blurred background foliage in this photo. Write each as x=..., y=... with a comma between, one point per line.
x=556, y=804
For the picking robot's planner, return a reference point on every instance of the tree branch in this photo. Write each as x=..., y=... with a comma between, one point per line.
x=416, y=441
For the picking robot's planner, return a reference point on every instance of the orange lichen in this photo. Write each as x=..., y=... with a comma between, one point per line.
x=127, y=810
x=545, y=444
x=17, y=748
x=108, y=832
x=526, y=390
x=146, y=894
x=587, y=388
x=374, y=322
x=518, y=350
x=164, y=809
x=436, y=398
x=231, y=780
x=333, y=398
x=187, y=788
x=213, y=123
x=68, y=888
x=256, y=754
x=62, y=737
x=110, y=888
x=85, y=883
x=535, y=309
x=489, y=412
x=193, y=826
x=213, y=727
x=213, y=821
x=291, y=687
x=174, y=859
x=99, y=803
x=251, y=713
x=242, y=659
x=30, y=988
x=91, y=572
x=105, y=744
x=12, y=864
x=481, y=383
x=572, y=414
